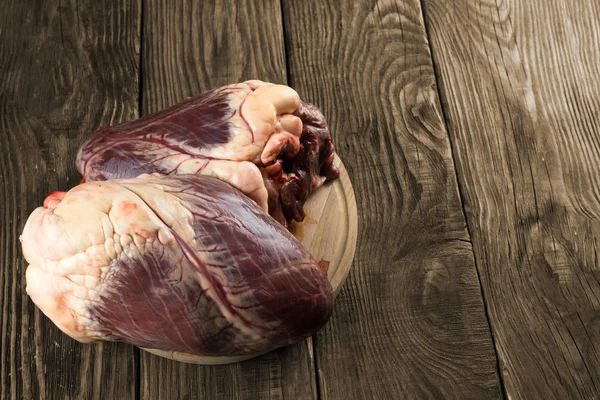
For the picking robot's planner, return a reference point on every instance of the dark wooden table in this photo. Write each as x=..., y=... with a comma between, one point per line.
x=471, y=132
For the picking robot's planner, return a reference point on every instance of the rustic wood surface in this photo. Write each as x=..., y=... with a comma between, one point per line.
x=520, y=83
x=66, y=69
x=410, y=322
x=500, y=125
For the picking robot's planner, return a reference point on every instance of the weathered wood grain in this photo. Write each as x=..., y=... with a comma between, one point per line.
x=282, y=374
x=410, y=322
x=188, y=47
x=66, y=68
x=520, y=84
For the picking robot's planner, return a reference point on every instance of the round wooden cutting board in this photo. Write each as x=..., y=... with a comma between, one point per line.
x=328, y=232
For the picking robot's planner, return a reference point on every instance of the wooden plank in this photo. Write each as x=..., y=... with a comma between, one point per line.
x=520, y=85
x=188, y=47
x=410, y=322
x=66, y=68
x=191, y=46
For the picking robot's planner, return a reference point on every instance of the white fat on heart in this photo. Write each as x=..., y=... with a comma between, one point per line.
x=71, y=247
x=258, y=109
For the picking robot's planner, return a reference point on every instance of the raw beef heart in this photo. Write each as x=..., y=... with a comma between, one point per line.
x=257, y=136
x=184, y=263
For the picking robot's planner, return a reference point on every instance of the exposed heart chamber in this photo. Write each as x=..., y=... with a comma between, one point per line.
x=188, y=259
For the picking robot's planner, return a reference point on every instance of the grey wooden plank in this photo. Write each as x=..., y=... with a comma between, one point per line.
x=520, y=83
x=410, y=322
x=66, y=69
x=191, y=46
